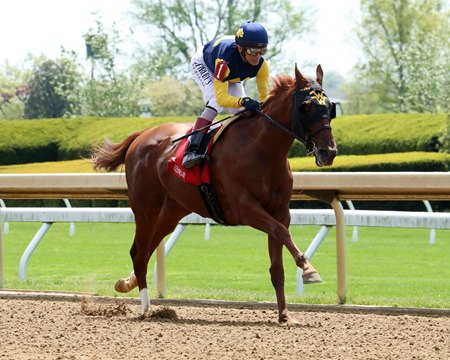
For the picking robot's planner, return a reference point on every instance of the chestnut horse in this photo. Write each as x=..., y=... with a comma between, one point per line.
x=249, y=169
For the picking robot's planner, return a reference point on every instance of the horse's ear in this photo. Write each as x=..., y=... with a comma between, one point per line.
x=319, y=74
x=299, y=78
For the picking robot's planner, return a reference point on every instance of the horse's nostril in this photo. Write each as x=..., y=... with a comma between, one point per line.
x=325, y=156
x=323, y=153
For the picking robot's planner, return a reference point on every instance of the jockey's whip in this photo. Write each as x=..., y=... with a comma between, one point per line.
x=207, y=126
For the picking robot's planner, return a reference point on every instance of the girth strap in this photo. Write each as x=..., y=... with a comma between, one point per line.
x=212, y=203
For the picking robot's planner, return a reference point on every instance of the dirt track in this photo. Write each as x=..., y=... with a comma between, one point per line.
x=92, y=329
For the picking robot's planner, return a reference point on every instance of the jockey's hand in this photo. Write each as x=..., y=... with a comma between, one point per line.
x=250, y=104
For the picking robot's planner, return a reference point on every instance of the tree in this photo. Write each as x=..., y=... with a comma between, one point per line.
x=54, y=89
x=102, y=50
x=109, y=92
x=170, y=97
x=405, y=44
x=179, y=27
x=111, y=98
x=11, y=89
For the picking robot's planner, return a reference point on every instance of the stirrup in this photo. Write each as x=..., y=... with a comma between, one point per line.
x=191, y=159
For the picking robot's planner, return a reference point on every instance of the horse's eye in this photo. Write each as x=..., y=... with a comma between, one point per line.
x=305, y=107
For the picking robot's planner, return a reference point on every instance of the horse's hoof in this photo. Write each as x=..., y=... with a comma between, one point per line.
x=289, y=322
x=126, y=285
x=120, y=286
x=286, y=320
x=312, y=278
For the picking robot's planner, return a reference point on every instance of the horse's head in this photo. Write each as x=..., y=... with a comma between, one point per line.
x=312, y=112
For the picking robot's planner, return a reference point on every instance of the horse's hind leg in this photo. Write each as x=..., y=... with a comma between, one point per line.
x=150, y=231
x=143, y=235
x=128, y=284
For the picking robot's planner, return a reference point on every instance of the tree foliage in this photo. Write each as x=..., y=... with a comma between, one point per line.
x=179, y=27
x=111, y=98
x=405, y=43
x=102, y=50
x=12, y=91
x=54, y=88
x=109, y=92
x=170, y=97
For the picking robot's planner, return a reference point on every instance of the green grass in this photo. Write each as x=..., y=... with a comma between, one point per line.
x=392, y=267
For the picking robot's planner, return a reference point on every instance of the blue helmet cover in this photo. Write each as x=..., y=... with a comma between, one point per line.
x=252, y=34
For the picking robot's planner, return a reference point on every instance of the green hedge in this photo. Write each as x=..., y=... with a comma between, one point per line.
x=25, y=141
x=386, y=133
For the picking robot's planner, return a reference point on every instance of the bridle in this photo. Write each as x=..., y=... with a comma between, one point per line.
x=324, y=109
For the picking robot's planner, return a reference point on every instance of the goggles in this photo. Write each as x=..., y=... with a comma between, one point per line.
x=255, y=51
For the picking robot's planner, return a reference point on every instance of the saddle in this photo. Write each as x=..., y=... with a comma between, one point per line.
x=199, y=174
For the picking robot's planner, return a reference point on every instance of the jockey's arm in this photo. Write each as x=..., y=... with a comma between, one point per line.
x=262, y=81
x=224, y=99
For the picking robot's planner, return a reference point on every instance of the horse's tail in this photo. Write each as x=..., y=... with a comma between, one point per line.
x=111, y=155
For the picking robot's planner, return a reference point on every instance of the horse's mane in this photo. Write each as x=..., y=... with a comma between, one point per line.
x=282, y=87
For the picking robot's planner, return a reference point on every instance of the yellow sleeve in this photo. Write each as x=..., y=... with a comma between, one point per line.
x=224, y=99
x=262, y=81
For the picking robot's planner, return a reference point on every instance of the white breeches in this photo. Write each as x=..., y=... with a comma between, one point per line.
x=205, y=80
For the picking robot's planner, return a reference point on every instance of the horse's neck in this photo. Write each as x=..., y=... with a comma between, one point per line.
x=272, y=141
x=278, y=140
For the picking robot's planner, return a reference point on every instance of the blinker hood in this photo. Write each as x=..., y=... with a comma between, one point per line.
x=300, y=122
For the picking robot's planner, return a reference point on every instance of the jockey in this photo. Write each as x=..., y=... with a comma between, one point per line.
x=219, y=69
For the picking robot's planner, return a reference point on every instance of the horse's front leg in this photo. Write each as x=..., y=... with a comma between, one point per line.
x=279, y=230
x=278, y=236
x=277, y=277
x=260, y=219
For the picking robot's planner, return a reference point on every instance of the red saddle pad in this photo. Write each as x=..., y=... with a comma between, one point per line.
x=197, y=175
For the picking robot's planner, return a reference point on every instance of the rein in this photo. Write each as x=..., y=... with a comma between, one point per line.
x=281, y=127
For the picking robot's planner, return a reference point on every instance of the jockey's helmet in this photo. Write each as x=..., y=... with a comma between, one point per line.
x=252, y=34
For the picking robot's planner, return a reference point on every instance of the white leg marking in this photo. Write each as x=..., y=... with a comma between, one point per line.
x=145, y=301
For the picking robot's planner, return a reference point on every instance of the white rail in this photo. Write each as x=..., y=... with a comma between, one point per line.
x=330, y=187
x=326, y=218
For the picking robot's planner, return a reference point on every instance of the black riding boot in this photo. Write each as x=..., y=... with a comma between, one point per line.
x=195, y=151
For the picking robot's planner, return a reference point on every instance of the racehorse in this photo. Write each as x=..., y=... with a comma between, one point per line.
x=248, y=167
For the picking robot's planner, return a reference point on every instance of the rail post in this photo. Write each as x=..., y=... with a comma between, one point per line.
x=340, y=251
